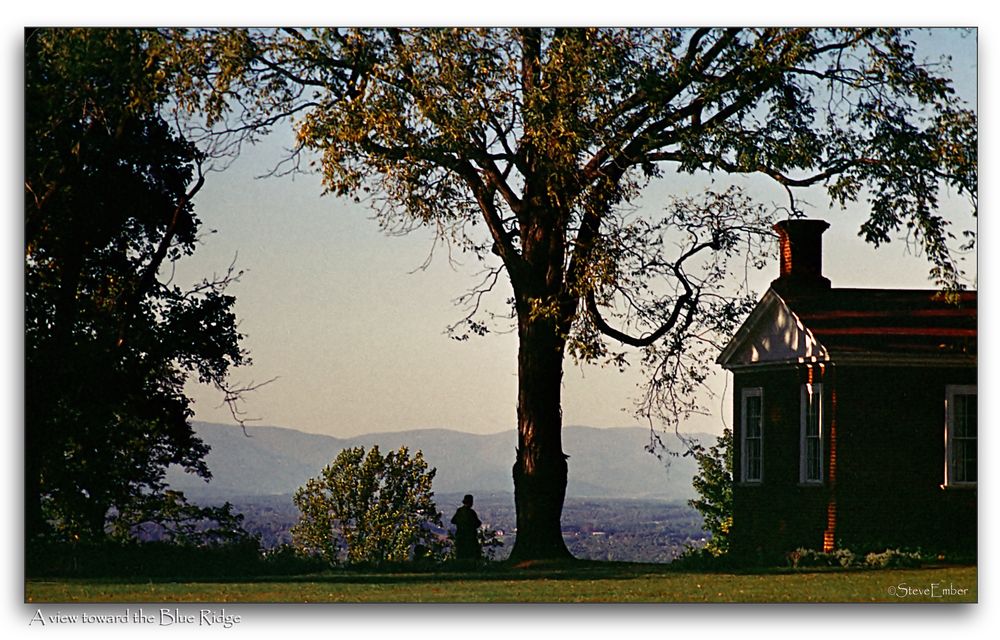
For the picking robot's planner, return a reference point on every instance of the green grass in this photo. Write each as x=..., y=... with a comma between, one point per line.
x=573, y=582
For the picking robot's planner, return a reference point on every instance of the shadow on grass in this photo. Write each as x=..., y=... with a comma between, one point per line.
x=455, y=572
x=448, y=572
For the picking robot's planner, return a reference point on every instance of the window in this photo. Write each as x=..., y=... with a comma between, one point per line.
x=961, y=432
x=751, y=428
x=811, y=434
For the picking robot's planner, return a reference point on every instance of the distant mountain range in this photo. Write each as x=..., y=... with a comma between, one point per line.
x=605, y=463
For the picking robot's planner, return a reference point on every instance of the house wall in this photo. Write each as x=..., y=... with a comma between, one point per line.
x=884, y=449
x=777, y=514
x=891, y=424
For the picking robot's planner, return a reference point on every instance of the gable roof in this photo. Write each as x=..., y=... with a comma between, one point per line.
x=857, y=325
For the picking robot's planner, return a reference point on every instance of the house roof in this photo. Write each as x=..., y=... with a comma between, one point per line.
x=890, y=320
x=863, y=325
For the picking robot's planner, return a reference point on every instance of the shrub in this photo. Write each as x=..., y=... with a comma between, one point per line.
x=489, y=544
x=705, y=559
x=892, y=558
x=812, y=558
x=286, y=560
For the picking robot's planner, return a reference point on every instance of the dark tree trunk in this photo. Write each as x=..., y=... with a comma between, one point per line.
x=34, y=519
x=540, y=471
x=43, y=436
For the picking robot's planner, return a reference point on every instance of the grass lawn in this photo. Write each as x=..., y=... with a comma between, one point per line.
x=573, y=582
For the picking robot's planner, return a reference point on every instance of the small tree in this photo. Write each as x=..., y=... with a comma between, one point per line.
x=377, y=508
x=714, y=483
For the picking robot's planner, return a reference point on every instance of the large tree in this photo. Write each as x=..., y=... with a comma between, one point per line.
x=109, y=340
x=530, y=147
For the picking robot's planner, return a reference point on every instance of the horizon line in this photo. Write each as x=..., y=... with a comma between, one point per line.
x=450, y=429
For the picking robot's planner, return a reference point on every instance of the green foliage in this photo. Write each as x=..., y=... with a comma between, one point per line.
x=894, y=558
x=714, y=483
x=287, y=560
x=109, y=342
x=489, y=543
x=376, y=509
x=845, y=558
x=809, y=558
x=169, y=517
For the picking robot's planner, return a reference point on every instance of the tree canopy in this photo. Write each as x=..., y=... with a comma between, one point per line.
x=529, y=148
x=109, y=340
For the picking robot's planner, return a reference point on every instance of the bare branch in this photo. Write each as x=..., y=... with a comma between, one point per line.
x=234, y=395
x=686, y=301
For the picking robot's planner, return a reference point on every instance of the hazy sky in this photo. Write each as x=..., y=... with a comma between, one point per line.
x=354, y=332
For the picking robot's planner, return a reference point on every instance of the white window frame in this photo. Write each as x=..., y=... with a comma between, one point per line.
x=951, y=391
x=751, y=392
x=808, y=392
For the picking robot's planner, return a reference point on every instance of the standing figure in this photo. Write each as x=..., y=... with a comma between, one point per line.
x=466, y=531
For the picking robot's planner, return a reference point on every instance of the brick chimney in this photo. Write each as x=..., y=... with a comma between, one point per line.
x=801, y=256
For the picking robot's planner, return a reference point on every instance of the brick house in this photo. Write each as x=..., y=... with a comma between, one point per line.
x=854, y=413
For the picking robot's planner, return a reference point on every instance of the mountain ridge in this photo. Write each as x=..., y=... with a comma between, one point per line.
x=604, y=462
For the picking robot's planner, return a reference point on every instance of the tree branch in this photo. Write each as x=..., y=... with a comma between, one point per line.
x=687, y=300
x=149, y=274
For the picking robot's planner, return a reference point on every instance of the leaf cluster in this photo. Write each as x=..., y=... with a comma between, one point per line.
x=366, y=507
x=714, y=484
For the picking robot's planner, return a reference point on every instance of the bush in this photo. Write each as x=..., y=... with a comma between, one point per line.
x=812, y=558
x=489, y=545
x=893, y=558
x=285, y=560
x=890, y=558
x=706, y=559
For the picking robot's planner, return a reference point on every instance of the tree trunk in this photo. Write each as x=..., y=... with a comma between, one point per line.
x=540, y=471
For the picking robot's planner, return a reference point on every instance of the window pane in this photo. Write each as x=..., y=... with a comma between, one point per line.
x=971, y=465
x=963, y=428
x=965, y=416
x=812, y=434
x=752, y=419
x=813, y=459
x=812, y=414
x=964, y=460
x=958, y=460
x=753, y=459
x=753, y=416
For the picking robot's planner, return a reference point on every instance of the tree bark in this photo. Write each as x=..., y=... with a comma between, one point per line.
x=540, y=471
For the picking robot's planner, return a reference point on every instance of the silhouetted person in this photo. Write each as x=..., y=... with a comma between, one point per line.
x=466, y=531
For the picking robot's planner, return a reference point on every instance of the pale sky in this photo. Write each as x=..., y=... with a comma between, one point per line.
x=354, y=332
